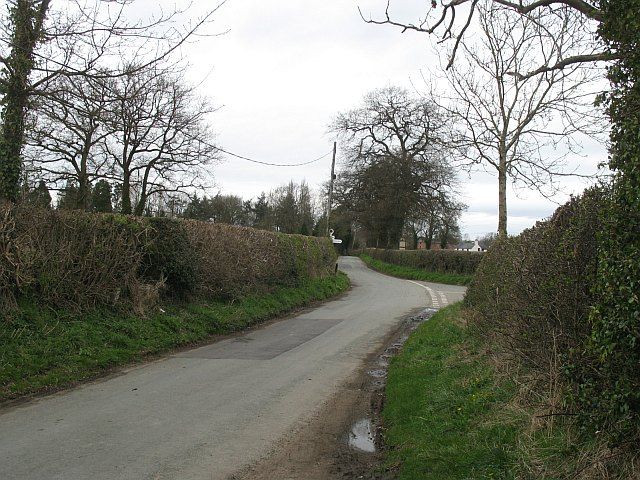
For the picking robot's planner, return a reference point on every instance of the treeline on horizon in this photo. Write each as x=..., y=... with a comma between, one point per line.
x=291, y=208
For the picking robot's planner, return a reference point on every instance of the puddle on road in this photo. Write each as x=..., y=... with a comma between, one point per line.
x=361, y=436
x=383, y=362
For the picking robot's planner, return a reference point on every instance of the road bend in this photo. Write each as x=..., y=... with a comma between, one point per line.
x=208, y=412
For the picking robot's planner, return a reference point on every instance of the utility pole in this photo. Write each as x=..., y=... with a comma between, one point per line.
x=333, y=177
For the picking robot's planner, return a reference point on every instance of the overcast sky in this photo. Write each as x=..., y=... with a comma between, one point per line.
x=286, y=67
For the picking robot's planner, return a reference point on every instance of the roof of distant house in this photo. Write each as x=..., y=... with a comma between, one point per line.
x=484, y=244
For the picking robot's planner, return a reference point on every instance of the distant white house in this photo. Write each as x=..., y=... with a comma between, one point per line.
x=470, y=246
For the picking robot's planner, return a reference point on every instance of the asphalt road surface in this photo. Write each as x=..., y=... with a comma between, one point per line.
x=208, y=412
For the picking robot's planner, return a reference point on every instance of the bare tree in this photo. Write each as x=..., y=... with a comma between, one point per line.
x=436, y=218
x=41, y=40
x=395, y=147
x=285, y=208
x=508, y=123
x=69, y=125
x=161, y=141
x=390, y=123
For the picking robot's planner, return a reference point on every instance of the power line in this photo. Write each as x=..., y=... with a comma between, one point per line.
x=241, y=157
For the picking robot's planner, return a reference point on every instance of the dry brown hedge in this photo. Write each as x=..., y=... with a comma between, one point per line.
x=233, y=261
x=64, y=258
x=73, y=259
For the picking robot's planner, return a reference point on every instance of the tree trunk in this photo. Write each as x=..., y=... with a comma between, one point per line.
x=84, y=187
x=430, y=231
x=502, y=198
x=11, y=144
x=139, y=210
x=83, y=183
x=27, y=19
x=83, y=191
x=126, y=194
x=445, y=237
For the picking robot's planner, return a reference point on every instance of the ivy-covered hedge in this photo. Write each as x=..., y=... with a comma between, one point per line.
x=83, y=260
x=610, y=389
x=442, y=261
x=552, y=301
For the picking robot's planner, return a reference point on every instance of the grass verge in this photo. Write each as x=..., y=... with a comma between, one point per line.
x=445, y=414
x=415, y=273
x=43, y=349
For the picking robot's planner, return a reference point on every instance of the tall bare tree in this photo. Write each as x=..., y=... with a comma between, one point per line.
x=452, y=19
x=42, y=40
x=395, y=146
x=510, y=123
x=161, y=141
x=69, y=125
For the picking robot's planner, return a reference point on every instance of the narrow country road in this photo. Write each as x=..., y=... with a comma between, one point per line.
x=208, y=412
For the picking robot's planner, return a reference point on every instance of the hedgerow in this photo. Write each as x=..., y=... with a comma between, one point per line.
x=71, y=259
x=557, y=306
x=610, y=389
x=82, y=260
x=232, y=261
x=442, y=261
x=532, y=294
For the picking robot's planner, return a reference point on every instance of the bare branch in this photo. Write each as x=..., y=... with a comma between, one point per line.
x=445, y=21
x=564, y=63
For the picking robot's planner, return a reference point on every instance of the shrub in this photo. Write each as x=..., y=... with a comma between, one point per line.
x=443, y=261
x=611, y=388
x=232, y=261
x=169, y=256
x=531, y=295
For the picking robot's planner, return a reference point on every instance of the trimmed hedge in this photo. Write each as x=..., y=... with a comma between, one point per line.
x=232, y=261
x=532, y=293
x=73, y=259
x=443, y=261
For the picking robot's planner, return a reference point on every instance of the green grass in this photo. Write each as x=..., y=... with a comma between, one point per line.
x=43, y=349
x=445, y=415
x=415, y=273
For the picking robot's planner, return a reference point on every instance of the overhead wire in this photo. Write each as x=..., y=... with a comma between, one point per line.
x=242, y=157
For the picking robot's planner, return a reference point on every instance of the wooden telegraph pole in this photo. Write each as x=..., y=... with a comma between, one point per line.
x=333, y=177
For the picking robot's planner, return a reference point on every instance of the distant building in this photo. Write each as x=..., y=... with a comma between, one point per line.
x=470, y=246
